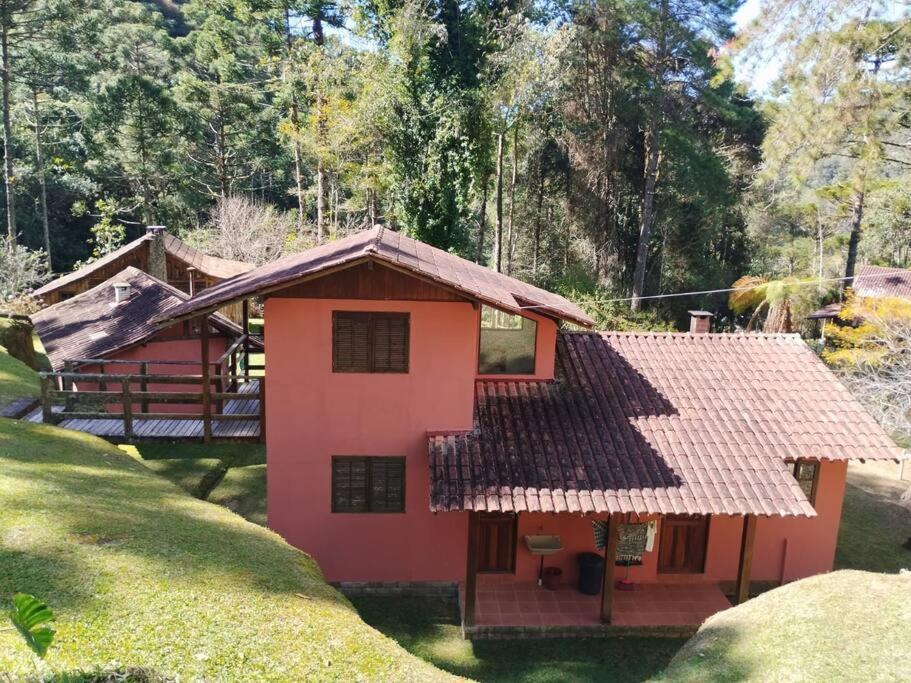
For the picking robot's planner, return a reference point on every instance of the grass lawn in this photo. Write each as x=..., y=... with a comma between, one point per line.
x=17, y=380
x=873, y=524
x=140, y=574
x=243, y=490
x=843, y=626
x=429, y=628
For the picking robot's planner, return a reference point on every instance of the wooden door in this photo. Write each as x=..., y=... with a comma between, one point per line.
x=496, y=542
x=683, y=543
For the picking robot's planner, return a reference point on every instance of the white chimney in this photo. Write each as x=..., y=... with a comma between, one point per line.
x=121, y=291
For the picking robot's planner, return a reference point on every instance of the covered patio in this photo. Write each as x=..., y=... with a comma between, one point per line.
x=649, y=605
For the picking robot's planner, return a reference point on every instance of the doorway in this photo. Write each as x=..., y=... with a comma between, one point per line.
x=497, y=543
x=684, y=539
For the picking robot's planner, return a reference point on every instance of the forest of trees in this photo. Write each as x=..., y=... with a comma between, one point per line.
x=602, y=148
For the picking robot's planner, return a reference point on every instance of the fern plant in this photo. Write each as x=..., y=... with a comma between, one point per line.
x=30, y=616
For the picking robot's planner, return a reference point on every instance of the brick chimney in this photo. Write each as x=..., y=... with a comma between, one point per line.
x=158, y=262
x=700, y=322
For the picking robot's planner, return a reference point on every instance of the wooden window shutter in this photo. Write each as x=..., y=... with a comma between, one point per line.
x=387, y=484
x=350, y=342
x=370, y=342
x=368, y=484
x=390, y=342
x=349, y=485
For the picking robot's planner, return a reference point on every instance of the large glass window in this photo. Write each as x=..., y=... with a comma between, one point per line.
x=507, y=343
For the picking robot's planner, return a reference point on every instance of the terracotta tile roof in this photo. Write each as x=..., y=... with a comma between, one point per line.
x=876, y=281
x=655, y=423
x=396, y=250
x=91, y=325
x=208, y=265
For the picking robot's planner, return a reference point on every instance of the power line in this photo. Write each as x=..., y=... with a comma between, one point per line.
x=711, y=291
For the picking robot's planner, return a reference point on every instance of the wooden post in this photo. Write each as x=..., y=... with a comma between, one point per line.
x=206, y=385
x=262, y=410
x=102, y=385
x=742, y=591
x=471, y=571
x=219, y=387
x=245, y=318
x=144, y=384
x=127, y=408
x=233, y=370
x=610, y=561
x=47, y=413
x=66, y=384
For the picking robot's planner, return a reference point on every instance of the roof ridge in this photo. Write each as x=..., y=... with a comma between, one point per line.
x=677, y=333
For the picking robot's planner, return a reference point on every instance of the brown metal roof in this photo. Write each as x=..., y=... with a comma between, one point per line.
x=876, y=281
x=398, y=251
x=91, y=325
x=655, y=423
x=207, y=265
x=827, y=312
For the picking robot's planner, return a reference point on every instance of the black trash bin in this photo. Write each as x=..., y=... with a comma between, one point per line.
x=591, y=573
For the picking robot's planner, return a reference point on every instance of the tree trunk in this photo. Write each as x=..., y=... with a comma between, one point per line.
x=482, y=218
x=295, y=126
x=498, y=231
x=857, y=215
x=536, y=244
x=319, y=40
x=511, y=235
x=7, y=132
x=42, y=183
x=652, y=169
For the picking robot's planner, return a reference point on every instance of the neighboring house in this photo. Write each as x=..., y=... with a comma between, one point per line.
x=872, y=282
x=158, y=253
x=428, y=421
x=109, y=329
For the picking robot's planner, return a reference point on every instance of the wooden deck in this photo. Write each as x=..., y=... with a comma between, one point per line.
x=145, y=429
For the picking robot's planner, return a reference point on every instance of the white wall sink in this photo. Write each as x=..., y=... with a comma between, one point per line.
x=543, y=545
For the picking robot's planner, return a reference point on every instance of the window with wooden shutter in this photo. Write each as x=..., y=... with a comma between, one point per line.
x=368, y=484
x=370, y=342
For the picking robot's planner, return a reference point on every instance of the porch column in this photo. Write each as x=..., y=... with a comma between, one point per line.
x=471, y=570
x=206, y=384
x=742, y=592
x=610, y=557
x=245, y=324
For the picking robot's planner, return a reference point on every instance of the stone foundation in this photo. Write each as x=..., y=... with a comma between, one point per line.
x=431, y=589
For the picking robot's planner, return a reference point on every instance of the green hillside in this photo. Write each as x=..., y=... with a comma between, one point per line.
x=843, y=626
x=142, y=575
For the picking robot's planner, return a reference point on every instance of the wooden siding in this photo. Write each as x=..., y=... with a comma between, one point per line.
x=369, y=281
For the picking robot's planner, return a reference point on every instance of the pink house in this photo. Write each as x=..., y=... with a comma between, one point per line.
x=97, y=337
x=433, y=424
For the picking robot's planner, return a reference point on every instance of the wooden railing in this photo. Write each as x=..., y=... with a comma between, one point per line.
x=101, y=388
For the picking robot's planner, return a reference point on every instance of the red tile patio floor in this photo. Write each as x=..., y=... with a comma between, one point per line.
x=649, y=604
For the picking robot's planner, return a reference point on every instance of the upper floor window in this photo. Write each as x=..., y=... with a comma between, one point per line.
x=368, y=484
x=370, y=342
x=507, y=345
x=806, y=472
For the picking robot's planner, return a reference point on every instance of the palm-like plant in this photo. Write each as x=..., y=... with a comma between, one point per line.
x=783, y=299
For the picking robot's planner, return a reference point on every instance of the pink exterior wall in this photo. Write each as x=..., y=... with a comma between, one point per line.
x=162, y=347
x=314, y=414
x=785, y=548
